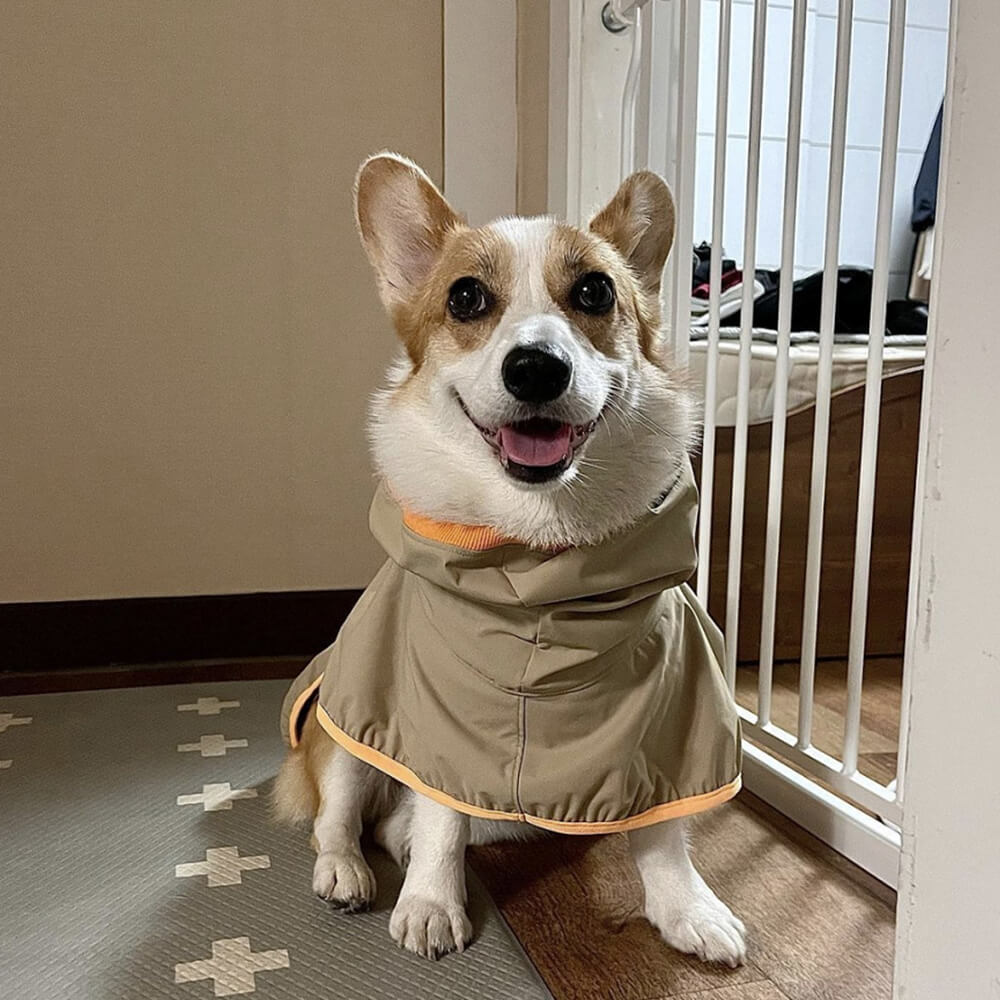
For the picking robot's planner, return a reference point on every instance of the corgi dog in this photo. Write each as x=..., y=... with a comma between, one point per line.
x=532, y=396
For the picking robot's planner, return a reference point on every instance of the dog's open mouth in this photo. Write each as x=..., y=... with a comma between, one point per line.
x=536, y=450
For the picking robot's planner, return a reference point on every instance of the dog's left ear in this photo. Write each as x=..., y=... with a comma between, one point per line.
x=639, y=223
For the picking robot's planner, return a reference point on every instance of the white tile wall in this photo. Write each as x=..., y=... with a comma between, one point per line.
x=924, y=68
x=923, y=88
x=777, y=65
x=866, y=97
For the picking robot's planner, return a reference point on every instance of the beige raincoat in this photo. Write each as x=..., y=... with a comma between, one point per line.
x=580, y=691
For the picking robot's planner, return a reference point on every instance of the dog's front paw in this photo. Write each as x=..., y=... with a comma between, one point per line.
x=701, y=925
x=344, y=880
x=429, y=928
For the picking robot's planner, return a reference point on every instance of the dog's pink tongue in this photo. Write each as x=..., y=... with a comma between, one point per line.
x=539, y=447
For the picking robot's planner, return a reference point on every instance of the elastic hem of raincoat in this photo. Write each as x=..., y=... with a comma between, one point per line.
x=676, y=809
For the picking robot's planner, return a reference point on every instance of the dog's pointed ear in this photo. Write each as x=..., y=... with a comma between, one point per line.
x=639, y=223
x=403, y=220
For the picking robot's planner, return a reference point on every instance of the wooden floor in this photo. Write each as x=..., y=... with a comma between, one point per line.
x=819, y=928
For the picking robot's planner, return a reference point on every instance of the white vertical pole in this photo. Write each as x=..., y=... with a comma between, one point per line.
x=821, y=427
x=776, y=476
x=733, y=575
x=873, y=387
x=687, y=140
x=629, y=95
x=948, y=917
x=565, y=43
x=715, y=290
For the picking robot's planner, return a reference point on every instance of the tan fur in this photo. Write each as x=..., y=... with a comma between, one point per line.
x=419, y=246
x=403, y=221
x=639, y=223
x=296, y=797
x=477, y=253
x=574, y=253
x=296, y=789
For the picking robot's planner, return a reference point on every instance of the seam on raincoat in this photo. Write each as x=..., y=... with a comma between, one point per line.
x=522, y=719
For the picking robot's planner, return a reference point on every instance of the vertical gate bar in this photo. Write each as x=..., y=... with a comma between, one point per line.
x=687, y=140
x=776, y=477
x=821, y=427
x=734, y=570
x=873, y=387
x=715, y=290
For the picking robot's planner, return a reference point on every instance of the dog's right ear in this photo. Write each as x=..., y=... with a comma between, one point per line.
x=403, y=220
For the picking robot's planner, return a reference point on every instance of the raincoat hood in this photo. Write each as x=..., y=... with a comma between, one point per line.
x=579, y=690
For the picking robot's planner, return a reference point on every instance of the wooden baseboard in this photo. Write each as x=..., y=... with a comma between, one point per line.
x=78, y=637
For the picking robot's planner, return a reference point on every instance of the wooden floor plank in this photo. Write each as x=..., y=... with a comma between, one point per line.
x=765, y=990
x=822, y=929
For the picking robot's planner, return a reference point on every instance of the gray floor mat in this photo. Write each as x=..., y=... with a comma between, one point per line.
x=98, y=807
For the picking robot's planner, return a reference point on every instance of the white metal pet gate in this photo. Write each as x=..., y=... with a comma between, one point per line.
x=640, y=61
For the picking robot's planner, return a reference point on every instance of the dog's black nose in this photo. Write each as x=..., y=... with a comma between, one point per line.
x=536, y=374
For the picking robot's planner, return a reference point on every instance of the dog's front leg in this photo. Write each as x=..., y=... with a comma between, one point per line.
x=341, y=875
x=429, y=917
x=679, y=904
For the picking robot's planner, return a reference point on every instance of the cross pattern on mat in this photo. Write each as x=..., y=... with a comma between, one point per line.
x=208, y=706
x=214, y=745
x=7, y=720
x=216, y=796
x=223, y=866
x=232, y=966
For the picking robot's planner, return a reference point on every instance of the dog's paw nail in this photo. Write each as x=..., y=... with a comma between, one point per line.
x=351, y=905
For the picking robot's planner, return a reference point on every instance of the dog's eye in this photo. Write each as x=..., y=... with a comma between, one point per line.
x=468, y=299
x=594, y=294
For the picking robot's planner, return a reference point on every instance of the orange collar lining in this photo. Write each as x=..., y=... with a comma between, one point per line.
x=473, y=537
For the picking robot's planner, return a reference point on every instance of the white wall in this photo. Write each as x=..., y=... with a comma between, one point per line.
x=923, y=89
x=948, y=943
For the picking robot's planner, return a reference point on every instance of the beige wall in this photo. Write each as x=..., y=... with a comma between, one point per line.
x=189, y=329
x=532, y=107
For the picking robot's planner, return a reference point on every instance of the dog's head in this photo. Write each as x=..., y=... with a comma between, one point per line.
x=533, y=395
